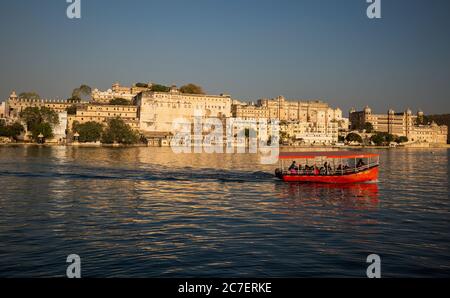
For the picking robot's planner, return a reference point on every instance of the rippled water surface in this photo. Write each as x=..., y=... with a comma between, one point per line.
x=146, y=212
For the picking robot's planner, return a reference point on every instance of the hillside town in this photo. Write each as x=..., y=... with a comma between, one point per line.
x=144, y=114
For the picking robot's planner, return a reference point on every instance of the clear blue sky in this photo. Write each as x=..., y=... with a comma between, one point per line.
x=325, y=49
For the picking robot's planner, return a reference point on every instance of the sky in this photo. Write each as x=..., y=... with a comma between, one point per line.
x=250, y=49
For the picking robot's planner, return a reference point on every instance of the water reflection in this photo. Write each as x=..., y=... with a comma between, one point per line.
x=356, y=196
x=140, y=212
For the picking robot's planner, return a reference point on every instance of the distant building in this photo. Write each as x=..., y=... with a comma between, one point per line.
x=59, y=131
x=15, y=105
x=306, y=122
x=117, y=91
x=400, y=124
x=158, y=110
x=310, y=133
x=301, y=111
x=101, y=113
x=248, y=112
x=3, y=110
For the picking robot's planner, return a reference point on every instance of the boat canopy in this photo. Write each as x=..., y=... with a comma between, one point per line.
x=326, y=154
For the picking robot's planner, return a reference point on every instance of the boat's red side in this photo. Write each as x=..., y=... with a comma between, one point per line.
x=365, y=176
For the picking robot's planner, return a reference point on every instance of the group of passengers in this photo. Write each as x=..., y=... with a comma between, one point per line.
x=325, y=170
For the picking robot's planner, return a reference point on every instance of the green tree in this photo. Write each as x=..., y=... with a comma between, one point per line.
x=118, y=131
x=40, y=120
x=11, y=131
x=78, y=93
x=119, y=102
x=72, y=110
x=191, y=89
x=389, y=138
x=354, y=137
x=15, y=130
x=401, y=139
x=368, y=127
x=29, y=95
x=377, y=139
x=89, y=132
x=141, y=85
x=43, y=128
x=382, y=138
x=159, y=88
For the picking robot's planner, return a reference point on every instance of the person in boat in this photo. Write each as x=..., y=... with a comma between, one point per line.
x=360, y=163
x=293, y=169
x=346, y=168
x=326, y=168
x=316, y=171
x=300, y=169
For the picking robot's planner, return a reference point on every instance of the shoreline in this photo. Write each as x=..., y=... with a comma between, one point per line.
x=91, y=145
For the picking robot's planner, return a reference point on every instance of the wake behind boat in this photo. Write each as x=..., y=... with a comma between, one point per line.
x=328, y=167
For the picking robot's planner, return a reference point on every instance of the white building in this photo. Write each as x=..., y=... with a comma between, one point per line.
x=3, y=110
x=158, y=110
x=311, y=133
x=59, y=131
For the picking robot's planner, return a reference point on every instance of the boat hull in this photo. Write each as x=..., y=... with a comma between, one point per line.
x=364, y=176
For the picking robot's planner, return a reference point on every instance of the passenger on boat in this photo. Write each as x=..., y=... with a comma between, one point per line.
x=316, y=171
x=360, y=163
x=327, y=168
x=293, y=168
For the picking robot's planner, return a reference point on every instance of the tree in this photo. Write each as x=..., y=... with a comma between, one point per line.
x=401, y=139
x=354, y=137
x=159, y=88
x=15, y=130
x=72, y=110
x=29, y=95
x=40, y=120
x=119, y=102
x=368, y=127
x=78, y=93
x=377, y=139
x=11, y=131
x=118, y=131
x=191, y=89
x=389, y=138
x=382, y=138
x=89, y=132
x=43, y=128
x=141, y=85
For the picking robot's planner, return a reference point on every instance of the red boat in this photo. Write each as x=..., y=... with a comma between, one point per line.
x=328, y=167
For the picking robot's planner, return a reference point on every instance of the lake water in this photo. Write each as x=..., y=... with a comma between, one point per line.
x=146, y=212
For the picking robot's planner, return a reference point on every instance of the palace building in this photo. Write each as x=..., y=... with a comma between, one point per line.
x=306, y=122
x=101, y=113
x=15, y=105
x=158, y=110
x=400, y=124
x=117, y=91
x=298, y=111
